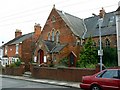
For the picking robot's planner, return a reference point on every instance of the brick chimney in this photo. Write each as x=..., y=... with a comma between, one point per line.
x=102, y=13
x=37, y=32
x=37, y=29
x=18, y=33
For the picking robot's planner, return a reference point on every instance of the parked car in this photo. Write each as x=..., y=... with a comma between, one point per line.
x=108, y=79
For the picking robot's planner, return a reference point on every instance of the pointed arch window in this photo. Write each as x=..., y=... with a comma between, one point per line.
x=48, y=36
x=107, y=43
x=53, y=34
x=57, y=36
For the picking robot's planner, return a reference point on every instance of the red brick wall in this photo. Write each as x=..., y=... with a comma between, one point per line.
x=17, y=71
x=27, y=52
x=66, y=74
x=11, y=51
x=66, y=35
x=112, y=39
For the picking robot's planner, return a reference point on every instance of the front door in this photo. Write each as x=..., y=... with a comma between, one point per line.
x=40, y=56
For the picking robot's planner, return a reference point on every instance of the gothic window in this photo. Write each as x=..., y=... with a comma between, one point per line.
x=53, y=34
x=57, y=36
x=48, y=36
x=107, y=43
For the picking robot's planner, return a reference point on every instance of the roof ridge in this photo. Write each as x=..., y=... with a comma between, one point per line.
x=14, y=39
x=69, y=14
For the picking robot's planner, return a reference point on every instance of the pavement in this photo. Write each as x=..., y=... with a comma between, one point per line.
x=45, y=81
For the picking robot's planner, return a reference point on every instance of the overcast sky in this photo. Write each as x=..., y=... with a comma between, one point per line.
x=23, y=14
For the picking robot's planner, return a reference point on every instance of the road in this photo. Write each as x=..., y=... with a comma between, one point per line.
x=14, y=83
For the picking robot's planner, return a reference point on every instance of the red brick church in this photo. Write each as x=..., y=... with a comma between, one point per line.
x=63, y=35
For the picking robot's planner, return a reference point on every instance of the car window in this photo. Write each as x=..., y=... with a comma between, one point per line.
x=110, y=74
x=100, y=74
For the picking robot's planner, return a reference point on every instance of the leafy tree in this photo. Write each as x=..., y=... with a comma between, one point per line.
x=88, y=55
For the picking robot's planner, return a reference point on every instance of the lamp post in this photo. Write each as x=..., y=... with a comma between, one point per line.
x=100, y=52
x=100, y=21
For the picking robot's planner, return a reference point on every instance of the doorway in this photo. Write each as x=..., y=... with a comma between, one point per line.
x=40, y=56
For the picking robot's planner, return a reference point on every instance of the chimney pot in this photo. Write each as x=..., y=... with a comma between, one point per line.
x=18, y=33
x=37, y=29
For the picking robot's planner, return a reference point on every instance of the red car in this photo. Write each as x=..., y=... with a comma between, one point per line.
x=108, y=79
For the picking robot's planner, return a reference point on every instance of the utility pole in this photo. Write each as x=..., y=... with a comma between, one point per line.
x=100, y=52
x=100, y=21
x=118, y=31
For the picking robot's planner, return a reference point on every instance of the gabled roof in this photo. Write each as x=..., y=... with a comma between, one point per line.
x=49, y=44
x=58, y=48
x=76, y=24
x=118, y=9
x=108, y=28
x=19, y=39
x=53, y=47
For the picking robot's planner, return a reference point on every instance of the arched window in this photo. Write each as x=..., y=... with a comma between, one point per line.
x=57, y=36
x=107, y=43
x=48, y=36
x=53, y=34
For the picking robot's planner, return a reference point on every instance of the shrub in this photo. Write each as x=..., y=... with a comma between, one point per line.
x=64, y=61
x=12, y=65
x=18, y=63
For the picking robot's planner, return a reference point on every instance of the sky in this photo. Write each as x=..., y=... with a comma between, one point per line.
x=23, y=14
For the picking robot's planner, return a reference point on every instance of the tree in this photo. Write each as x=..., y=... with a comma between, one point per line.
x=110, y=57
x=88, y=55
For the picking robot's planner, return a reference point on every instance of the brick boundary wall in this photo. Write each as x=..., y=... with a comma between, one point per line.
x=16, y=71
x=63, y=74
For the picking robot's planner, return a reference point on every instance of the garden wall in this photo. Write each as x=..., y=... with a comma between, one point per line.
x=64, y=74
x=17, y=71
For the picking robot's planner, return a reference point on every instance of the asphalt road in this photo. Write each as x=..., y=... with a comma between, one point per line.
x=14, y=84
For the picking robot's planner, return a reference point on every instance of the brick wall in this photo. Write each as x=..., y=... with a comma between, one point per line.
x=112, y=39
x=17, y=71
x=65, y=74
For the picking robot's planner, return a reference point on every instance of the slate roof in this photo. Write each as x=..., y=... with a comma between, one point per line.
x=58, y=48
x=108, y=28
x=118, y=9
x=76, y=24
x=49, y=44
x=53, y=47
x=19, y=39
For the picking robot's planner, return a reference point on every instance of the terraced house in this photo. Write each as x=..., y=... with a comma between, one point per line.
x=63, y=36
x=21, y=47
